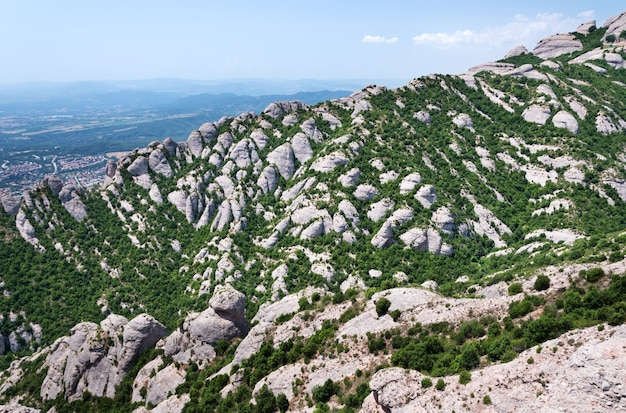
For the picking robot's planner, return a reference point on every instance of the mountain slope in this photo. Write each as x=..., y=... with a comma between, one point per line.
x=269, y=245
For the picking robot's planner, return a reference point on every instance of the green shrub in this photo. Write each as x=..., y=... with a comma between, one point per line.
x=542, y=282
x=611, y=38
x=441, y=385
x=487, y=400
x=324, y=392
x=594, y=274
x=282, y=403
x=515, y=288
x=465, y=377
x=426, y=382
x=520, y=308
x=382, y=306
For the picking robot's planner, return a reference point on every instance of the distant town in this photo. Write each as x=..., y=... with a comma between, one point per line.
x=22, y=175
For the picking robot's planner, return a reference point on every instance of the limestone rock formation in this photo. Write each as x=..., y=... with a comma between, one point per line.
x=583, y=372
x=350, y=178
x=200, y=332
x=138, y=167
x=538, y=114
x=95, y=358
x=284, y=159
x=565, y=120
x=330, y=162
x=516, y=51
x=557, y=45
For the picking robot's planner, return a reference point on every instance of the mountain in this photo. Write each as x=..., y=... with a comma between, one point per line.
x=456, y=243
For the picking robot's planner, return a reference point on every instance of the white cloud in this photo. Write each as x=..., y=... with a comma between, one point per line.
x=379, y=39
x=520, y=30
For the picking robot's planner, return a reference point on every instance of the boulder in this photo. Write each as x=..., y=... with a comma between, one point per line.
x=378, y=210
x=538, y=114
x=283, y=158
x=159, y=164
x=350, y=178
x=330, y=162
x=179, y=200
x=409, y=183
x=268, y=180
x=349, y=211
x=155, y=194
x=170, y=146
x=230, y=304
x=585, y=28
x=54, y=183
x=301, y=147
x=314, y=230
x=274, y=110
x=138, y=167
x=443, y=219
x=615, y=25
x=529, y=72
x=430, y=285
x=365, y=192
x=463, y=120
x=566, y=120
x=25, y=228
x=11, y=205
x=516, y=51
x=311, y=131
x=259, y=138
x=426, y=196
x=244, y=154
x=605, y=125
x=195, y=143
x=557, y=45
x=422, y=116
x=208, y=131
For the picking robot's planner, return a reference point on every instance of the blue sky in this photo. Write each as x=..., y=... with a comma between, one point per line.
x=66, y=40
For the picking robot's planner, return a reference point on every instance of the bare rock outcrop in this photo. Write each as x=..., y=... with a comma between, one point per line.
x=582, y=371
x=615, y=25
x=566, y=120
x=365, y=191
x=516, y=51
x=538, y=114
x=557, y=45
x=426, y=195
x=276, y=109
x=223, y=320
x=159, y=163
x=330, y=162
x=301, y=147
x=284, y=160
x=409, y=183
x=11, y=205
x=350, y=178
x=70, y=199
x=138, y=167
x=95, y=358
x=25, y=228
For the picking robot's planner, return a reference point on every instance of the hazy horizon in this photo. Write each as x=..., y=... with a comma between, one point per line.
x=73, y=41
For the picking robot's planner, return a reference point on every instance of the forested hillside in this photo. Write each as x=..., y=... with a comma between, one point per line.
x=306, y=257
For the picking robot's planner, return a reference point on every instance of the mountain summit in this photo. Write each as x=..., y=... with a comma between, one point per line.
x=456, y=243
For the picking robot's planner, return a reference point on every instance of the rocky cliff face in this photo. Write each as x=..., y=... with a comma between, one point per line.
x=302, y=222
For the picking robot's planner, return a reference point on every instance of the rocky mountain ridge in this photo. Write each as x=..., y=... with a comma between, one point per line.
x=297, y=222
